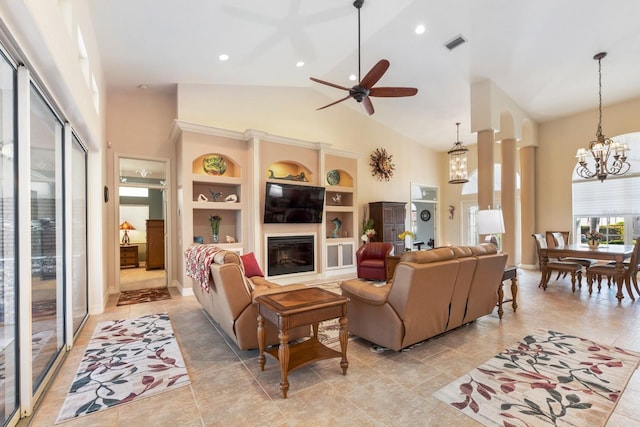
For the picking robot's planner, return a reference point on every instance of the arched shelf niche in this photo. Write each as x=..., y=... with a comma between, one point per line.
x=288, y=171
x=338, y=178
x=216, y=164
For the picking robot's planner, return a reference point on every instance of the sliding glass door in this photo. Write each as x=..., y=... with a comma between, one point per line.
x=47, y=273
x=8, y=259
x=43, y=238
x=79, y=299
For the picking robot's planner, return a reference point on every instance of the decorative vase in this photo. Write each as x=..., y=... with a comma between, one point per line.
x=214, y=222
x=338, y=224
x=593, y=244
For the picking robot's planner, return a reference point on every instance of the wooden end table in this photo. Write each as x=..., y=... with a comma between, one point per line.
x=129, y=256
x=510, y=272
x=288, y=310
x=392, y=261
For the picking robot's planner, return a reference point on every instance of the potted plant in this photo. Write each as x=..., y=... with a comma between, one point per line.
x=593, y=238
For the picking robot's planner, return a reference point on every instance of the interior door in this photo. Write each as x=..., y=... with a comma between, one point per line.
x=142, y=223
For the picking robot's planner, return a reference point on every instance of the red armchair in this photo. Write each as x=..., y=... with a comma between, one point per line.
x=371, y=259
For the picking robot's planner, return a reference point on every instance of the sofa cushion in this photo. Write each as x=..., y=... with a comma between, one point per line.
x=260, y=282
x=461, y=251
x=364, y=291
x=224, y=256
x=484, y=249
x=372, y=263
x=423, y=257
x=251, y=266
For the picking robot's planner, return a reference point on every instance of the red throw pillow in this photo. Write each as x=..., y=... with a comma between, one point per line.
x=251, y=266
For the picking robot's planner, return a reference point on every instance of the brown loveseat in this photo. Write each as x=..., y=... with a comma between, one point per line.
x=431, y=292
x=229, y=301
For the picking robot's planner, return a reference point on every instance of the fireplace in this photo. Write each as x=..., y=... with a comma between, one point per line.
x=290, y=254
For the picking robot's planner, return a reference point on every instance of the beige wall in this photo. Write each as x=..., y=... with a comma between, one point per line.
x=555, y=162
x=139, y=122
x=138, y=125
x=50, y=48
x=291, y=112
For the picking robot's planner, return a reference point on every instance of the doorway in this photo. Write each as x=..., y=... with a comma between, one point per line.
x=424, y=210
x=142, y=223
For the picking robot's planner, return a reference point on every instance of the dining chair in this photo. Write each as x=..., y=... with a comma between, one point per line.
x=629, y=274
x=555, y=265
x=561, y=239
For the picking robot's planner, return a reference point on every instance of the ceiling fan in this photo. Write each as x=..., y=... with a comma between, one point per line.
x=364, y=89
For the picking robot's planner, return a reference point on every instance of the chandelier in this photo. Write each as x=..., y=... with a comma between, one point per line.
x=610, y=157
x=458, y=161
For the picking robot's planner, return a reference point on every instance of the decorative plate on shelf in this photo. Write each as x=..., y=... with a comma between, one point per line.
x=425, y=215
x=214, y=165
x=333, y=177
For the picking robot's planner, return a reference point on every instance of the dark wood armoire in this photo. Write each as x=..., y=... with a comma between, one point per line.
x=155, y=244
x=388, y=222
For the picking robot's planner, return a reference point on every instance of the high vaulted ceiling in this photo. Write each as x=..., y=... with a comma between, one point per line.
x=538, y=52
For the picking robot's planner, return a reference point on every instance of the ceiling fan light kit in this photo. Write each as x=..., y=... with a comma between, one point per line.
x=364, y=89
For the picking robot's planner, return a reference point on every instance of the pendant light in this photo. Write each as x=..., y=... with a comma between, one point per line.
x=610, y=157
x=458, y=161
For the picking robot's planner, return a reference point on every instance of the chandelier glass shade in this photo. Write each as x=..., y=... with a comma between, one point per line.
x=604, y=156
x=458, y=161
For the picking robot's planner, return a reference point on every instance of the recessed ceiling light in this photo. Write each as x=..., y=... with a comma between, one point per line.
x=420, y=29
x=223, y=57
x=300, y=64
x=353, y=77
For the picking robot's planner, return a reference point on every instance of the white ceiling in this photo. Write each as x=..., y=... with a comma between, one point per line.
x=539, y=52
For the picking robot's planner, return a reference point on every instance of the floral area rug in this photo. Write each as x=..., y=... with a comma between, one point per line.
x=143, y=295
x=124, y=361
x=548, y=378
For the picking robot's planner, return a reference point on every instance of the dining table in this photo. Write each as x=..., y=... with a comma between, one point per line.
x=604, y=252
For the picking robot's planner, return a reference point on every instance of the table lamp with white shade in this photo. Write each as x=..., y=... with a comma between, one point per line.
x=490, y=223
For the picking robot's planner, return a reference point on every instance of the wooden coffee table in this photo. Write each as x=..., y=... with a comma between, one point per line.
x=288, y=310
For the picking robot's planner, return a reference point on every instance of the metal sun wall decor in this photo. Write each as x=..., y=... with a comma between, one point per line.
x=381, y=164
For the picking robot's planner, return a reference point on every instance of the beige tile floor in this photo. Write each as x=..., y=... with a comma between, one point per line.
x=392, y=388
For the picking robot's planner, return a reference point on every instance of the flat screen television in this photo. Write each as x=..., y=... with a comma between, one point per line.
x=293, y=204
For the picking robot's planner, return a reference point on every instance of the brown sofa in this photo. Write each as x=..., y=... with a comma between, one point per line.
x=229, y=301
x=431, y=292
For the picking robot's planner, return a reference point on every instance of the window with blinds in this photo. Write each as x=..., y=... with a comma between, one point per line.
x=613, y=197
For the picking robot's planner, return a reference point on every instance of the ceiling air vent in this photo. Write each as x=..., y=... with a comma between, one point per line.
x=455, y=42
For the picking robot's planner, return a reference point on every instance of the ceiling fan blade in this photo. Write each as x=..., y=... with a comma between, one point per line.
x=329, y=84
x=334, y=103
x=393, y=91
x=368, y=105
x=375, y=74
